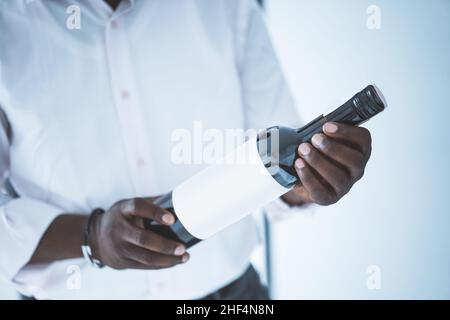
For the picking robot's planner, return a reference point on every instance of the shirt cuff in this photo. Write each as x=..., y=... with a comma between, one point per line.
x=23, y=221
x=279, y=210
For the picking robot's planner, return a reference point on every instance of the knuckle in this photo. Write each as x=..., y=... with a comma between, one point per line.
x=330, y=198
x=357, y=171
x=345, y=180
x=331, y=201
x=367, y=153
x=324, y=199
x=357, y=165
x=342, y=183
x=359, y=175
x=128, y=206
x=359, y=159
x=151, y=260
x=367, y=138
x=367, y=135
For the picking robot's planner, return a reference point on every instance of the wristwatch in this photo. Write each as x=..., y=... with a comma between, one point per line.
x=86, y=248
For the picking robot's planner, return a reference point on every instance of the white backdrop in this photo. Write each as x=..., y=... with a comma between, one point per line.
x=397, y=219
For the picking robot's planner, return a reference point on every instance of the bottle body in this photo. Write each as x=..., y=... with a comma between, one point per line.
x=219, y=195
x=224, y=193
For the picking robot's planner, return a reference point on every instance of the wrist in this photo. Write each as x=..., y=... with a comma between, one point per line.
x=91, y=241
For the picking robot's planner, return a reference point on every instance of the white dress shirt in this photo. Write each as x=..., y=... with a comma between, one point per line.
x=91, y=112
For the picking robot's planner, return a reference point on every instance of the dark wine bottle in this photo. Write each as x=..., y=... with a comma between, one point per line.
x=223, y=194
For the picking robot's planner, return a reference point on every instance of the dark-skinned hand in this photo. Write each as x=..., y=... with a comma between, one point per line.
x=120, y=241
x=330, y=165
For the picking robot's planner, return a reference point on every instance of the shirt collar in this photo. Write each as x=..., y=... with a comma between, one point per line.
x=101, y=5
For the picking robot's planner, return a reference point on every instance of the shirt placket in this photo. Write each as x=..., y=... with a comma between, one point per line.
x=129, y=109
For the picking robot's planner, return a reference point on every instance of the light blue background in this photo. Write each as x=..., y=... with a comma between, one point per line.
x=398, y=216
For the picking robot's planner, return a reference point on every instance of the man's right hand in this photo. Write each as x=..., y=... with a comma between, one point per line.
x=119, y=240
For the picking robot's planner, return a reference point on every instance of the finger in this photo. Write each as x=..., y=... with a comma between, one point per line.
x=140, y=207
x=357, y=137
x=337, y=177
x=133, y=264
x=353, y=160
x=317, y=191
x=151, y=241
x=154, y=260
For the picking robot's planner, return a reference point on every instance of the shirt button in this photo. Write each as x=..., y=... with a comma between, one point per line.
x=114, y=24
x=125, y=95
x=140, y=162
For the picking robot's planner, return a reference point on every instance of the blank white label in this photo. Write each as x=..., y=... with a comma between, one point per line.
x=225, y=192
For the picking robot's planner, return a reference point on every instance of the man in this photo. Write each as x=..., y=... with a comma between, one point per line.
x=88, y=115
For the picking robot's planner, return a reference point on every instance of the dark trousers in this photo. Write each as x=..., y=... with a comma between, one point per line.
x=247, y=287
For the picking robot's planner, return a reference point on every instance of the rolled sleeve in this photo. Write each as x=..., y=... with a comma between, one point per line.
x=23, y=221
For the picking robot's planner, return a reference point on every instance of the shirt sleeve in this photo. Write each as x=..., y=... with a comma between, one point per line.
x=23, y=220
x=266, y=96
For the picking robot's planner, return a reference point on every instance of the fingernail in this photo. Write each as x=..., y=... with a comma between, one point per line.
x=299, y=163
x=330, y=127
x=185, y=258
x=179, y=250
x=304, y=149
x=168, y=218
x=317, y=140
